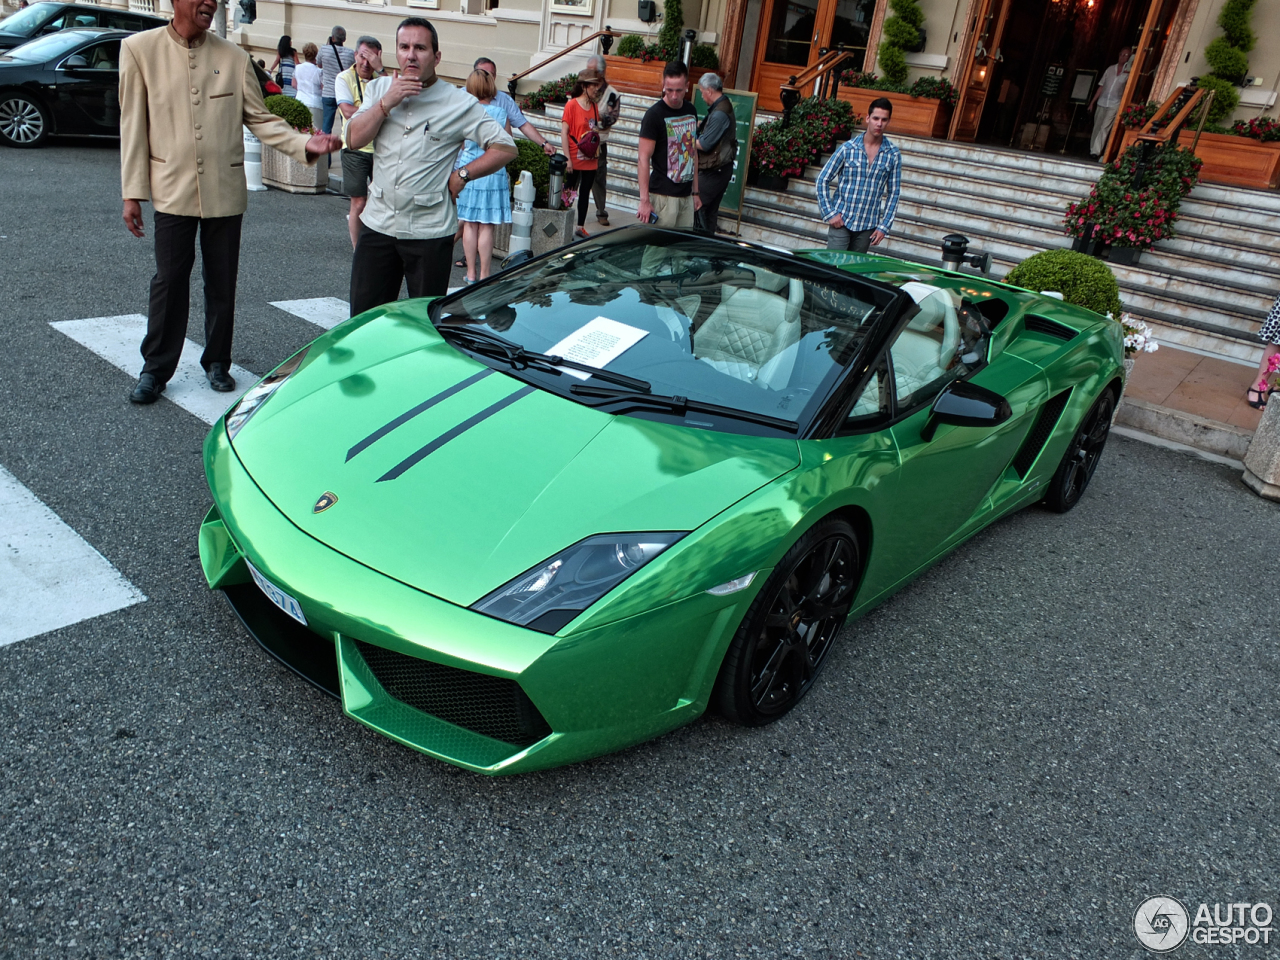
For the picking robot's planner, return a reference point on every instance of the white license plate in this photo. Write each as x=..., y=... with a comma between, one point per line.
x=277, y=596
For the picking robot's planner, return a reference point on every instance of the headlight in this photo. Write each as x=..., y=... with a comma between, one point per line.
x=551, y=594
x=257, y=395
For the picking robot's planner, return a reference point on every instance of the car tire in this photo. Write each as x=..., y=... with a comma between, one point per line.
x=24, y=122
x=1081, y=458
x=784, y=640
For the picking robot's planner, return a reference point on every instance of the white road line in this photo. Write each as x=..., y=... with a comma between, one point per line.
x=325, y=312
x=116, y=340
x=49, y=576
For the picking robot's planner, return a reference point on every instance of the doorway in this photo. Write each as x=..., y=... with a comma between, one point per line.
x=1051, y=55
x=792, y=34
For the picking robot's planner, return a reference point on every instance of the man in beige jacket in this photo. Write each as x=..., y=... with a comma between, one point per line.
x=184, y=92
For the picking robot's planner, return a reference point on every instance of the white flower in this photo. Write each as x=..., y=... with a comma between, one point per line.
x=1138, y=337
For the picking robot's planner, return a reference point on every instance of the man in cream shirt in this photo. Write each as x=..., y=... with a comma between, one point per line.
x=416, y=123
x=184, y=92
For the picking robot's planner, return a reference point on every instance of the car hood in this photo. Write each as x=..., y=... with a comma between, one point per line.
x=454, y=477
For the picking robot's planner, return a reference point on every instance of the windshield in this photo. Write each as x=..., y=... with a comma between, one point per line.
x=716, y=323
x=47, y=48
x=24, y=22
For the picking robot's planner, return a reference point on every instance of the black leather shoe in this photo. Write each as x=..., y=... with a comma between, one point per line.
x=219, y=379
x=147, y=389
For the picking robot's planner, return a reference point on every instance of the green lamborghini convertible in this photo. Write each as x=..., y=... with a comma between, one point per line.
x=572, y=507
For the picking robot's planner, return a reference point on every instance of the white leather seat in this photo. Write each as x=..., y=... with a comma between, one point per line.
x=925, y=350
x=751, y=327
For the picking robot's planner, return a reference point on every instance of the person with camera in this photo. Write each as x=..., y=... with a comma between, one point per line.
x=610, y=108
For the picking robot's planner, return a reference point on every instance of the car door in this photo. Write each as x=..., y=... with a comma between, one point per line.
x=88, y=83
x=948, y=472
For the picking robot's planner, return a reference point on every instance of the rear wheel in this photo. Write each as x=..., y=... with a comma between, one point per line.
x=1081, y=459
x=783, y=641
x=24, y=122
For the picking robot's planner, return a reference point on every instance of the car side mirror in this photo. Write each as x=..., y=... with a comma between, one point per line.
x=964, y=404
x=75, y=62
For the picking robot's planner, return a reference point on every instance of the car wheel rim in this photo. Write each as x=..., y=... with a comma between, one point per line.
x=20, y=121
x=1086, y=449
x=804, y=617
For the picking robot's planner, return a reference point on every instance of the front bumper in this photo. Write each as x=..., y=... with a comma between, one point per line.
x=457, y=685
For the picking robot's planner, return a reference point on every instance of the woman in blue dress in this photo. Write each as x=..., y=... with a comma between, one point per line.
x=487, y=200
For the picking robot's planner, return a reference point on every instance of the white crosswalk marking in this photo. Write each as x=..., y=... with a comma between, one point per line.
x=116, y=340
x=325, y=312
x=49, y=576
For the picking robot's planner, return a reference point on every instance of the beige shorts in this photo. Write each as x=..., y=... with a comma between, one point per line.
x=674, y=213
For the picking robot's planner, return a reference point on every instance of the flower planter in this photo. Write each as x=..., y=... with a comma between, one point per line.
x=768, y=181
x=1238, y=161
x=551, y=229
x=1262, y=459
x=643, y=77
x=281, y=171
x=1125, y=256
x=912, y=116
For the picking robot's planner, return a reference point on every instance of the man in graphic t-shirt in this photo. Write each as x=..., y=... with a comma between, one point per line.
x=668, y=167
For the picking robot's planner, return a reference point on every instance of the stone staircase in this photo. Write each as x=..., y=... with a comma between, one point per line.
x=1207, y=290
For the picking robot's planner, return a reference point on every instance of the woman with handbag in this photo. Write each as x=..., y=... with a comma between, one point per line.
x=580, y=139
x=282, y=70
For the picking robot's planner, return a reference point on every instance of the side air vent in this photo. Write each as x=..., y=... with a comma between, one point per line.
x=1039, y=434
x=493, y=706
x=1049, y=328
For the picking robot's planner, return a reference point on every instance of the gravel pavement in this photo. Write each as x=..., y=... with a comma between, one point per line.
x=1068, y=715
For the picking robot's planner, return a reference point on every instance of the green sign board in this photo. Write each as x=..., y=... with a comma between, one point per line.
x=744, y=112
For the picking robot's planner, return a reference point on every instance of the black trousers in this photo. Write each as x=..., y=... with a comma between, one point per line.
x=586, y=179
x=170, y=305
x=711, y=187
x=599, y=188
x=381, y=262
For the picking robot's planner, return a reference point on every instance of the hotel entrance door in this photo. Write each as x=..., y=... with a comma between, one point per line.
x=792, y=32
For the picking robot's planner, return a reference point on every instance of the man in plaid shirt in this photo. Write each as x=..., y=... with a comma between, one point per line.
x=858, y=188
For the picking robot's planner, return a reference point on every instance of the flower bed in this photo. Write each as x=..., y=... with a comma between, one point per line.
x=922, y=110
x=1119, y=214
x=1238, y=161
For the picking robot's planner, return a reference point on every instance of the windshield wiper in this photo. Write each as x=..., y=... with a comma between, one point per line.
x=681, y=404
x=492, y=345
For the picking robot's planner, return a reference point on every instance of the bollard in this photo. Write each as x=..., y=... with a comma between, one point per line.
x=253, y=162
x=522, y=214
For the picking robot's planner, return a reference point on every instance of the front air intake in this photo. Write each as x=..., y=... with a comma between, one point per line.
x=493, y=706
x=1049, y=328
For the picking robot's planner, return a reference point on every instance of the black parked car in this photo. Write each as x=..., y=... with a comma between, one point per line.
x=44, y=18
x=67, y=82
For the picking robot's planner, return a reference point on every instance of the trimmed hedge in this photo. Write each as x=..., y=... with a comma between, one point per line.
x=1081, y=279
x=530, y=157
x=291, y=110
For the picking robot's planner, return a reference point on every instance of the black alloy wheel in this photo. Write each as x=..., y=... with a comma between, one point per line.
x=24, y=122
x=1081, y=459
x=789, y=630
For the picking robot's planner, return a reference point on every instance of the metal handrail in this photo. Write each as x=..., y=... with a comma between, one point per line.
x=1184, y=100
x=606, y=37
x=820, y=73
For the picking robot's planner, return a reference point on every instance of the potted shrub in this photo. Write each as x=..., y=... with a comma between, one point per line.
x=637, y=66
x=822, y=124
x=1083, y=280
x=1246, y=154
x=778, y=153
x=1128, y=215
x=282, y=171
x=551, y=228
x=922, y=109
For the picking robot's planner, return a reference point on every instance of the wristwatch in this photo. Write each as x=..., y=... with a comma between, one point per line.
x=462, y=172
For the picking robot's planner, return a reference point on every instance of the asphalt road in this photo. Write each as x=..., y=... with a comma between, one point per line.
x=1068, y=715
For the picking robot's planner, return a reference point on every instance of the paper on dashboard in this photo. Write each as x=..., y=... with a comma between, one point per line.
x=597, y=344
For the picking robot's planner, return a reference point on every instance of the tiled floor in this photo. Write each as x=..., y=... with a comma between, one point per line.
x=1203, y=386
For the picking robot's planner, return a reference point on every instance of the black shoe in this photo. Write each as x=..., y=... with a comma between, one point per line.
x=147, y=389
x=219, y=379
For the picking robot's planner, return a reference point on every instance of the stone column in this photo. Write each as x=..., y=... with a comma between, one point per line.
x=1262, y=460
